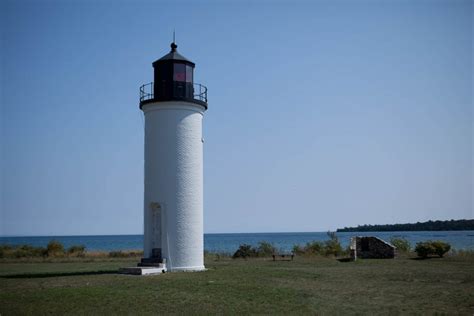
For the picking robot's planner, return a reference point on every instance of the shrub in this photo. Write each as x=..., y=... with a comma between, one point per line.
x=332, y=246
x=326, y=248
x=427, y=248
x=55, y=249
x=21, y=251
x=265, y=249
x=424, y=249
x=245, y=251
x=37, y=251
x=298, y=250
x=25, y=251
x=125, y=254
x=77, y=250
x=441, y=248
x=5, y=250
x=314, y=248
x=401, y=244
x=118, y=254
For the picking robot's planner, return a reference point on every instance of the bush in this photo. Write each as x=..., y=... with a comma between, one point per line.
x=326, y=248
x=401, y=244
x=22, y=251
x=441, y=248
x=117, y=254
x=29, y=251
x=298, y=250
x=5, y=250
x=245, y=251
x=332, y=246
x=77, y=250
x=125, y=254
x=265, y=249
x=427, y=248
x=424, y=249
x=36, y=251
x=55, y=249
x=314, y=248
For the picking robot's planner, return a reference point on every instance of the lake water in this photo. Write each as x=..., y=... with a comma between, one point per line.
x=230, y=242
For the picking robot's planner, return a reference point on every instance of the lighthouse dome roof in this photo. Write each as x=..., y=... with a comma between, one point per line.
x=173, y=55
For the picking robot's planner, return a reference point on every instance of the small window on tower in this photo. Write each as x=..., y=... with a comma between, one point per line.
x=189, y=74
x=179, y=72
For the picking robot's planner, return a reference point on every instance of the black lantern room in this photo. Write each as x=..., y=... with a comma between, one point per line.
x=173, y=81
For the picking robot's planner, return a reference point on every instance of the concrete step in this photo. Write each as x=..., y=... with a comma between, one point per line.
x=142, y=270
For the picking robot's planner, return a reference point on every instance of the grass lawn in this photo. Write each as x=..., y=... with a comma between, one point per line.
x=303, y=286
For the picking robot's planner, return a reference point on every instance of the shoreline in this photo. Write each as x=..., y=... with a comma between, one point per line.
x=245, y=233
x=229, y=242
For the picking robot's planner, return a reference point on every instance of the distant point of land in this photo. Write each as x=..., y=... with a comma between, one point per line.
x=462, y=224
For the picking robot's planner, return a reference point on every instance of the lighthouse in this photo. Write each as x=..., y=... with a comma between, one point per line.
x=173, y=107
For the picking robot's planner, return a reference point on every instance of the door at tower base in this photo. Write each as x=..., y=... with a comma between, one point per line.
x=155, y=238
x=174, y=177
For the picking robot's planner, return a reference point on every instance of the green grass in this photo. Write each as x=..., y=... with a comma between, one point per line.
x=303, y=286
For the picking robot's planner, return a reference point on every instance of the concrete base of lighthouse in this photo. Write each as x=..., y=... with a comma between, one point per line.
x=173, y=203
x=188, y=269
x=158, y=270
x=143, y=270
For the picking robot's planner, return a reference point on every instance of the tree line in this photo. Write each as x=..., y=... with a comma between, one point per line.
x=462, y=224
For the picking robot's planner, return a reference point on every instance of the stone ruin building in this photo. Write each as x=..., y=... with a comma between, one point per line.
x=371, y=248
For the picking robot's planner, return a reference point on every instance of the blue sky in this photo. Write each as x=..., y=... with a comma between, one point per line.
x=322, y=114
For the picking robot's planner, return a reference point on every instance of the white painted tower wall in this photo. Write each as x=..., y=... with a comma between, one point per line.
x=173, y=202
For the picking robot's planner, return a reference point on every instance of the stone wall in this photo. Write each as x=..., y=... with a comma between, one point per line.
x=371, y=248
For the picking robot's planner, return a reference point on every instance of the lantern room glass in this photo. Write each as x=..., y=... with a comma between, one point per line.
x=179, y=72
x=189, y=74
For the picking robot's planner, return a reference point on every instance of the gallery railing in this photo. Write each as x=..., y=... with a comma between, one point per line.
x=199, y=92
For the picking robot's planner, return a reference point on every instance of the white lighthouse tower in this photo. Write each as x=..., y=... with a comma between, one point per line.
x=173, y=106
